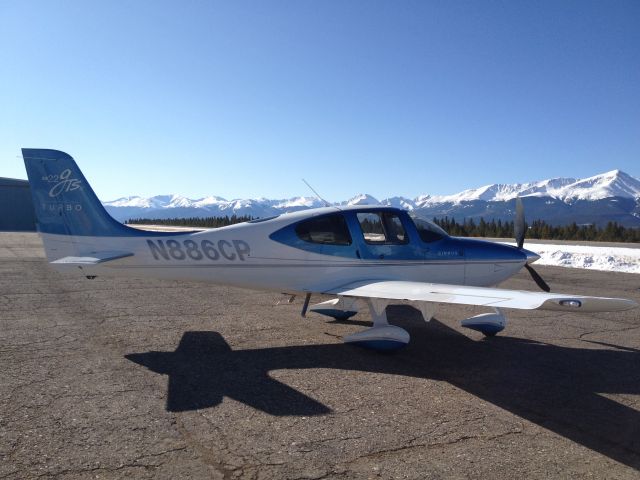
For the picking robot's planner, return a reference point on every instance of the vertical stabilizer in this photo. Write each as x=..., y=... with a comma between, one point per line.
x=63, y=201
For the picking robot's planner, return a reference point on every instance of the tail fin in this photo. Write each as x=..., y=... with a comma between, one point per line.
x=63, y=200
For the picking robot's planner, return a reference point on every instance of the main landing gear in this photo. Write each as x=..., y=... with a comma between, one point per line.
x=487, y=323
x=382, y=335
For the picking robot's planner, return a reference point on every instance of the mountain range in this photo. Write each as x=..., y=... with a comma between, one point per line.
x=610, y=196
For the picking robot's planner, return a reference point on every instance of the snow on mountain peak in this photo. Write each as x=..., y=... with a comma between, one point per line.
x=615, y=183
x=179, y=201
x=134, y=201
x=363, y=199
x=298, y=203
x=208, y=201
x=400, y=202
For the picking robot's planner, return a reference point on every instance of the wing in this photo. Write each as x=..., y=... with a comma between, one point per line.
x=487, y=297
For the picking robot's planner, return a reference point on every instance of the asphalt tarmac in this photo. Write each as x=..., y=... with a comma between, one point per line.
x=119, y=378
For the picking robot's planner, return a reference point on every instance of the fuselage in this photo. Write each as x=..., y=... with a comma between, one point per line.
x=306, y=251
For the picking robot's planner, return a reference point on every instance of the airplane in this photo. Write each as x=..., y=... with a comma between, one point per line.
x=363, y=256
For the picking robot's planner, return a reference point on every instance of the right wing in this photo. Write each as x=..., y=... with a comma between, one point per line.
x=482, y=296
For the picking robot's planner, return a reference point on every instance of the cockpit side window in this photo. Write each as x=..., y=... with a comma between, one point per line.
x=428, y=231
x=382, y=228
x=328, y=230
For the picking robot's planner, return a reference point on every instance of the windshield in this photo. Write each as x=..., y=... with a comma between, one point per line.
x=428, y=231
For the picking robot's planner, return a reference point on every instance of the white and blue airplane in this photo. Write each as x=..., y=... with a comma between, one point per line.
x=364, y=256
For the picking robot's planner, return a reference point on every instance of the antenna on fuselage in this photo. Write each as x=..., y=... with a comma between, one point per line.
x=326, y=204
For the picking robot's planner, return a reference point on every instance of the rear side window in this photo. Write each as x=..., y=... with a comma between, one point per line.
x=327, y=230
x=382, y=228
x=429, y=232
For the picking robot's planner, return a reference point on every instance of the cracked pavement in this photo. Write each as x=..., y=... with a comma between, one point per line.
x=111, y=378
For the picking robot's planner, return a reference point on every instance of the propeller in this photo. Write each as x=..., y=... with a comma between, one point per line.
x=518, y=226
x=519, y=232
x=537, y=278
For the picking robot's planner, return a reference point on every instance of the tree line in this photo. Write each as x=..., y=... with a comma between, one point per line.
x=196, y=222
x=612, y=232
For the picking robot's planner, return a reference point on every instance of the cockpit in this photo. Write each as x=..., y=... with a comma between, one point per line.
x=379, y=231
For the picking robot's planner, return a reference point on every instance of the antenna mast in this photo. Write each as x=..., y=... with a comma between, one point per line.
x=326, y=204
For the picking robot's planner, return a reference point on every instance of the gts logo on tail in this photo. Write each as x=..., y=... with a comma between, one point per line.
x=172, y=249
x=62, y=183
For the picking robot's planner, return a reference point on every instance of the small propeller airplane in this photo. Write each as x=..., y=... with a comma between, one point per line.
x=364, y=256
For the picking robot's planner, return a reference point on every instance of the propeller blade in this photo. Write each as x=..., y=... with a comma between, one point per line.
x=518, y=224
x=537, y=278
x=519, y=231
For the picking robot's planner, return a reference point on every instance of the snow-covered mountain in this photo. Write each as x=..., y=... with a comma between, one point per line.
x=615, y=183
x=614, y=195
x=400, y=202
x=169, y=206
x=361, y=199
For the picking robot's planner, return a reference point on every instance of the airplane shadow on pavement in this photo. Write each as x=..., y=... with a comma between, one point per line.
x=556, y=387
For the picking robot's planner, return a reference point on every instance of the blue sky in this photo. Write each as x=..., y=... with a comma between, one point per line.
x=242, y=99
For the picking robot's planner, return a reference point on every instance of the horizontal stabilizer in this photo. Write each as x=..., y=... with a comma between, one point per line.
x=93, y=258
x=481, y=296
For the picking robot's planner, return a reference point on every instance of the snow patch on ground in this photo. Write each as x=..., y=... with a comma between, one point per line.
x=610, y=259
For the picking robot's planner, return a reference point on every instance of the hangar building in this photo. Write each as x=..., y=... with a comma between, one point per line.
x=16, y=206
